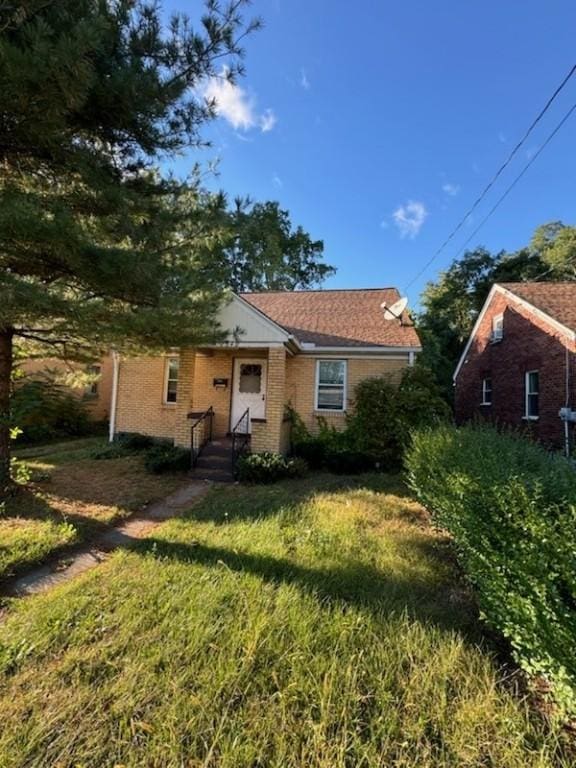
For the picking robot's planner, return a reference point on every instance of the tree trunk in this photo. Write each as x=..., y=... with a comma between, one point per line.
x=6, y=336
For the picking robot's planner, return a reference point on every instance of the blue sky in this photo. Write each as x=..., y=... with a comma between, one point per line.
x=376, y=124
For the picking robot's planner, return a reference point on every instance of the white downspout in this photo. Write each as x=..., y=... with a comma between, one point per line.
x=114, y=399
x=567, y=404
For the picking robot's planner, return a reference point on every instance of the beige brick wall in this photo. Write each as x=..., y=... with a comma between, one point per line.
x=301, y=384
x=293, y=379
x=268, y=436
x=140, y=399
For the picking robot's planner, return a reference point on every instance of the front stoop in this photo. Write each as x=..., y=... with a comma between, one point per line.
x=214, y=464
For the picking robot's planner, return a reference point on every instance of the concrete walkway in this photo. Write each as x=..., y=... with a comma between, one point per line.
x=125, y=535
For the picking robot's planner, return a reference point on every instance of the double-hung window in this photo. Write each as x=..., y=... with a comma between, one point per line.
x=330, y=385
x=486, y=391
x=92, y=388
x=171, y=380
x=497, y=328
x=532, y=394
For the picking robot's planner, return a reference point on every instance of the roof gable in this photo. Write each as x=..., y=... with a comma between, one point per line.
x=558, y=298
x=245, y=324
x=337, y=318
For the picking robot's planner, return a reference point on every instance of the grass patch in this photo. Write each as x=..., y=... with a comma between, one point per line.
x=71, y=499
x=314, y=623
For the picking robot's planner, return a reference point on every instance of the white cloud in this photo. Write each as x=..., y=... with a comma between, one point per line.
x=451, y=189
x=277, y=181
x=235, y=105
x=409, y=218
x=304, y=82
x=267, y=121
x=231, y=101
x=384, y=224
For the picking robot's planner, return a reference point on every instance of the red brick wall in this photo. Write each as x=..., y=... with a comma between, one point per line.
x=529, y=343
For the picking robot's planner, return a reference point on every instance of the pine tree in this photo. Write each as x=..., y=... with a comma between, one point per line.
x=97, y=247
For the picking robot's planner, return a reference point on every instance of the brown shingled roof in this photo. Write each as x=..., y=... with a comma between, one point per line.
x=345, y=318
x=558, y=300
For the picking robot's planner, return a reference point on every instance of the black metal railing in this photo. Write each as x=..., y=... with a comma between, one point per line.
x=240, y=437
x=200, y=432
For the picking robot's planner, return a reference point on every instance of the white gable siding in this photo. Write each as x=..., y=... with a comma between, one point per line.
x=246, y=326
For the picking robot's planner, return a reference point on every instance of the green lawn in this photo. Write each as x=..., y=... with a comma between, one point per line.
x=71, y=498
x=314, y=623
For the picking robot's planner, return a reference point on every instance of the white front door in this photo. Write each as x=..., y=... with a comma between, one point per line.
x=249, y=391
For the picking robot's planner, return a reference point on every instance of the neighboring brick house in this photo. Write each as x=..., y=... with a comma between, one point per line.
x=304, y=348
x=95, y=396
x=519, y=365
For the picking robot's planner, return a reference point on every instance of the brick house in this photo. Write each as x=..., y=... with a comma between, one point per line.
x=519, y=365
x=95, y=396
x=304, y=348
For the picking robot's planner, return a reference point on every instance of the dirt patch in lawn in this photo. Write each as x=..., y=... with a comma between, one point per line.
x=73, y=499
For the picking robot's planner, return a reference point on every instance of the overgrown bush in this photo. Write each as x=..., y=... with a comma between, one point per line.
x=44, y=411
x=268, y=468
x=384, y=415
x=511, y=509
x=166, y=458
x=378, y=430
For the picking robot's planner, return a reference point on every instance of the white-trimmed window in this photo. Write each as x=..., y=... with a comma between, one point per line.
x=171, y=379
x=486, y=391
x=532, y=394
x=498, y=328
x=330, y=385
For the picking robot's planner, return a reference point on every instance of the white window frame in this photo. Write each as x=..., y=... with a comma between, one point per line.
x=485, y=390
x=344, y=386
x=497, y=328
x=527, y=393
x=167, y=362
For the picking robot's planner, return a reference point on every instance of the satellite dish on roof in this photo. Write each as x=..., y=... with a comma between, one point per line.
x=394, y=311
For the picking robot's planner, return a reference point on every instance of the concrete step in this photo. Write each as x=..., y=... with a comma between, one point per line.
x=221, y=463
x=216, y=453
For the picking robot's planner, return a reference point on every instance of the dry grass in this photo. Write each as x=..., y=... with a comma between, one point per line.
x=70, y=499
x=315, y=623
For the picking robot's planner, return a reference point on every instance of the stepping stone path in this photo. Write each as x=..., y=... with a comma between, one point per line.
x=91, y=554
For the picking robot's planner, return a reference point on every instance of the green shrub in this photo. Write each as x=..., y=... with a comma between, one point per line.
x=111, y=451
x=346, y=462
x=384, y=414
x=45, y=411
x=166, y=458
x=269, y=467
x=312, y=450
x=511, y=509
x=134, y=441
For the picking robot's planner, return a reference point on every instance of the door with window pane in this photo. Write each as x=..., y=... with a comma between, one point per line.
x=249, y=390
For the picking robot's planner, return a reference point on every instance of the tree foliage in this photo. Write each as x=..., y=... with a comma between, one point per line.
x=262, y=251
x=96, y=246
x=452, y=303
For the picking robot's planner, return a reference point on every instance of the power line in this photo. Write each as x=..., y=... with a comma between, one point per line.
x=493, y=180
x=517, y=179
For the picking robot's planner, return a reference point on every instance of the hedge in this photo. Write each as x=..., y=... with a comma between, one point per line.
x=511, y=509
